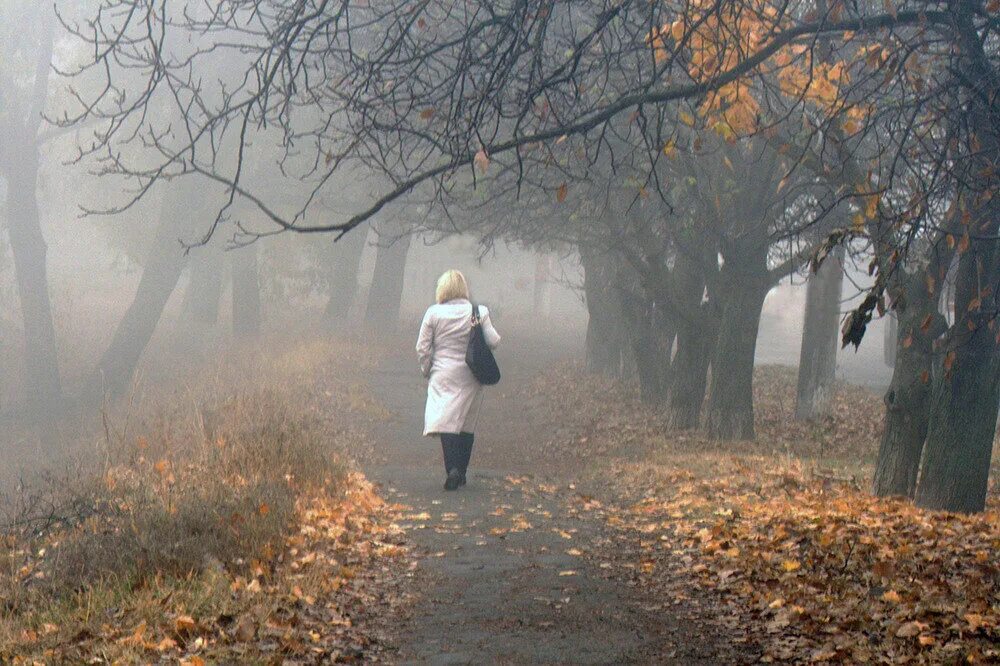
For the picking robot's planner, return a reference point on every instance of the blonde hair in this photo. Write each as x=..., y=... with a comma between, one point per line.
x=450, y=286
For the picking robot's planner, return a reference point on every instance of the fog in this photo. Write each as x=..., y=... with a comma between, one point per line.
x=733, y=396
x=149, y=219
x=94, y=277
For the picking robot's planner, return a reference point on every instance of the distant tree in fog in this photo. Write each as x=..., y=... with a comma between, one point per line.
x=26, y=55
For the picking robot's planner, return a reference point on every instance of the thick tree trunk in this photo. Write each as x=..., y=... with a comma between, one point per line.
x=966, y=397
x=730, y=400
x=963, y=415
x=160, y=274
x=907, y=401
x=696, y=334
x=20, y=163
x=345, y=259
x=638, y=313
x=890, y=340
x=964, y=405
x=963, y=419
x=820, y=331
x=43, y=389
x=664, y=338
x=204, y=290
x=382, y=313
x=246, y=292
x=605, y=333
x=689, y=372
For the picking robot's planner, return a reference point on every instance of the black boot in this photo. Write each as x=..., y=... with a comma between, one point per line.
x=454, y=480
x=451, y=446
x=464, y=454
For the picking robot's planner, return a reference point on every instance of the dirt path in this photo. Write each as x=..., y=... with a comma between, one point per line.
x=506, y=579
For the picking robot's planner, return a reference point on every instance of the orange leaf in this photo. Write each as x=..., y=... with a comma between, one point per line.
x=562, y=192
x=184, y=624
x=963, y=244
x=166, y=644
x=910, y=629
x=791, y=565
x=426, y=114
x=482, y=160
x=162, y=467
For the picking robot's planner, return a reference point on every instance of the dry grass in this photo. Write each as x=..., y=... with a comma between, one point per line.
x=190, y=484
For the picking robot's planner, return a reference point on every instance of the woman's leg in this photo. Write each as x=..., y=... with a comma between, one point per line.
x=449, y=446
x=465, y=449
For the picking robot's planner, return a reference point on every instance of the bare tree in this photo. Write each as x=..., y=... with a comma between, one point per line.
x=22, y=105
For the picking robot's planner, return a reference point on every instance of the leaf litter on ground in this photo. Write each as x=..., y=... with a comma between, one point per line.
x=779, y=535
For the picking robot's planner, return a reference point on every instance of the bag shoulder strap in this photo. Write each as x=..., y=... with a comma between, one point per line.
x=476, y=314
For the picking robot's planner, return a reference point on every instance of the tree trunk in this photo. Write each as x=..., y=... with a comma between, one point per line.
x=696, y=333
x=963, y=419
x=664, y=337
x=246, y=292
x=689, y=371
x=382, y=313
x=43, y=388
x=820, y=332
x=160, y=274
x=964, y=405
x=966, y=397
x=204, y=291
x=638, y=313
x=730, y=400
x=605, y=333
x=345, y=260
x=890, y=340
x=907, y=401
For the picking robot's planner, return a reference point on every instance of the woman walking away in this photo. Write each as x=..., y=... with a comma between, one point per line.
x=453, y=394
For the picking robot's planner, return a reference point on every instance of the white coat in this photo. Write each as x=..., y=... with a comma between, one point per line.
x=453, y=392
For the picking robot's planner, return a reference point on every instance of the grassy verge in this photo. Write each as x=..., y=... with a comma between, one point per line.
x=215, y=519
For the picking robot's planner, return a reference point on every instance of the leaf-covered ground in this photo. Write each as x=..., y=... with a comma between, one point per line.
x=310, y=602
x=780, y=534
x=227, y=524
x=766, y=551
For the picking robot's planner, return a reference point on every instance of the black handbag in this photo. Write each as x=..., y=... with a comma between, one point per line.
x=478, y=355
